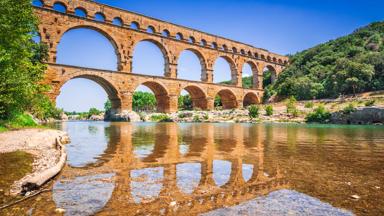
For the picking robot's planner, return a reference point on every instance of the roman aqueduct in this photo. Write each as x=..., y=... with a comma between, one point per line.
x=125, y=29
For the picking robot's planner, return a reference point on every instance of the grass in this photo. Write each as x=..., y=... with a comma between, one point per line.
x=18, y=121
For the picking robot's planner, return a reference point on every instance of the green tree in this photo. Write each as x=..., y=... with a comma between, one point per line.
x=107, y=106
x=253, y=111
x=21, y=67
x=93, y=111
x=144, y=101
x=185, y=102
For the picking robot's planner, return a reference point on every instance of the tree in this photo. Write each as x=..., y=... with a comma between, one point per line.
x=21, y=67
x=107, y=106
x=144, y=101
x=185, y=102
x=93, y=111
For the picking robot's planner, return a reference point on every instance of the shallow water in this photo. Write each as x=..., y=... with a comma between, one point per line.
x=188, y=169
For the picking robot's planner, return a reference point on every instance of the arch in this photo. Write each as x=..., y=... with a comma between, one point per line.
x=255, y=74
x=198, y=97
x=81, y=12
x=203, y=43
x=135, y=25
x=179, y=36
x=151, y=30
x=105, y=35
x=249, y=53
x=274, y=59
x=234, y=50
x=269, y=58
x=109, y=88
x=256, y=55
x=117, y=21
x=232, y=68
x=228, y=99
x=165, y=33
x=161, y=95
x=250, y=99
x=263, y=56
x=242, y=52
x=191, y=40
x=100, y=17
x=203, y=66
x=38, y=3
x=214, y=45
x=60, y=7
x=163, y=51
x=269, y=75
x=225, y=47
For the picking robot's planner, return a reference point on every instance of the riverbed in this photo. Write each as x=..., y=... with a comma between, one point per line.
x=216, y=169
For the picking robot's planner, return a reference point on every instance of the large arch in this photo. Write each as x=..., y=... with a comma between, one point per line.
x=161, y=95
x=198, y=97
x=269, y=75
x=254, y=75
x=136, y=62
x=180, y=66
x=228, y=99
x=250, y=99
x=86, y=56
x=233, y=72
x=108, y=87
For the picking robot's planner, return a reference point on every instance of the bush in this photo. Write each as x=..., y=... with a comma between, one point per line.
x=18, y=120
x=370, y=103
x=309, y=105
x=161, y=118
x=320, y=115
x=196, y=118
x=269, y=110
x=291, y=106
x=349, y=109
x=253, y=111
x=181, y=115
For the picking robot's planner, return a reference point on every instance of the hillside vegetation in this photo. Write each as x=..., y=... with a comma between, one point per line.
x=347, y=65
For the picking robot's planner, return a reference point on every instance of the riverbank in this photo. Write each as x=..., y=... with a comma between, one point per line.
x=44, y=146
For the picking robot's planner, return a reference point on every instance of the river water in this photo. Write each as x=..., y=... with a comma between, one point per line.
x=217, y=169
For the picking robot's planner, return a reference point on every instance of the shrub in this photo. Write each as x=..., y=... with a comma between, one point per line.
x=19, y=120
x=291, y=105
x=370, y=103
x=206, y=116
x=309, y=105
x=320, y=115
x=181, y=115
x=349, y=109
x=161, y=118
x=253, y=111
x=269, y=110
x=196, y=118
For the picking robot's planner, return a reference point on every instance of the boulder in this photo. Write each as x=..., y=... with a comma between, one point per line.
x=127, y=116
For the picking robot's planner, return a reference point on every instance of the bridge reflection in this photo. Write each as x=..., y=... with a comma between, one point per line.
x=187, y=167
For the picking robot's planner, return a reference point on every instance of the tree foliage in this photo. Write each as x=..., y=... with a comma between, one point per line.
x=348, y=65
x=21, y=67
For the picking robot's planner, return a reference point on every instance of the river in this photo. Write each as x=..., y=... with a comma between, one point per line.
x=188, y=169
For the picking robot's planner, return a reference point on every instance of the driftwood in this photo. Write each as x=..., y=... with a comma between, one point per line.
x=38, y=179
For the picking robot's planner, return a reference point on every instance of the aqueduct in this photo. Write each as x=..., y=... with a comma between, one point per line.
x=126, y=29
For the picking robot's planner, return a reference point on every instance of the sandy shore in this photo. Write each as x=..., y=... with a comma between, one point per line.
x=41, y=143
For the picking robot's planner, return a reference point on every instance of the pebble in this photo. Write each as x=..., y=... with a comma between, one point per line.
x=60, y=210
x=377, y=187
x=355, y=197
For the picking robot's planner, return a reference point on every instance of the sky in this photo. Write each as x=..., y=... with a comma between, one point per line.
x=284, y=27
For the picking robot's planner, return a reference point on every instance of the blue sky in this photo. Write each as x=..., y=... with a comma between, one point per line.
x=280, y=26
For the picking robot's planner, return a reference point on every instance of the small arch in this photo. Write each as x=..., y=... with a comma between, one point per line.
x=249, y=53
x=81, y=12
x=161, y=95
x=280, y=61
x=198, y=97
x=191, y=40
x=269, y=58
x=203, y=43
x=228, y=99
x=117, y=21
x=166, y=33
x=262, y=56
x=135, y=25
x=242, y=52
x=38, y=3
x=214, y=45
x=250, y=99
x=256, y=55
x=60, y=7
x=285, y=62
x=100, y=17
x=179, y=36
x=225, y=48
x=151, y=30
x=274, y=59
x=234, y=50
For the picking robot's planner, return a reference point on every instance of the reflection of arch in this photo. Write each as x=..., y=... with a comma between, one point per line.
x=201, y=58
x=198, y=97
x=98, y=30
x=228, y=99
x=250, y=98
x=232, y=68
x=161, y=48
x=161, y=95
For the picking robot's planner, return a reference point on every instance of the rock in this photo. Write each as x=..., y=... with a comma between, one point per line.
x=60, y=211
x=356, y=197
x=128, y=116
x=97, y=117
x=64, y=117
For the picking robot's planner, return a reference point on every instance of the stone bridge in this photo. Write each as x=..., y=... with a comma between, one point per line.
x=126, y=29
